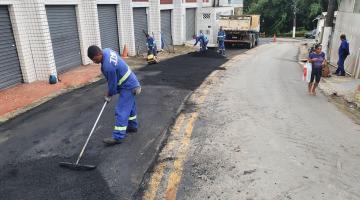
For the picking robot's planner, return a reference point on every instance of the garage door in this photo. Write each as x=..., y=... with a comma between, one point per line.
x=140, y=25
x=64, y=36
x=166, y=26
x=10, y=73
x=108, y=27
x=190, y=23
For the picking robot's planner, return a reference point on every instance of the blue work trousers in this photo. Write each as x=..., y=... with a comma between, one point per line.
x=125, y=113
x=153, y=50
x=341, y=67
x=222, y=46
x=203, y=45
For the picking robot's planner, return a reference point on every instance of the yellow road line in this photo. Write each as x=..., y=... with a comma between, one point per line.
x=158, y=173
x=175, y=175
x=154, y=182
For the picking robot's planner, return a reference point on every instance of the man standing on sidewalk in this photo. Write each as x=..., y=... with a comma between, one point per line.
x=121, y=80
x=343, y=53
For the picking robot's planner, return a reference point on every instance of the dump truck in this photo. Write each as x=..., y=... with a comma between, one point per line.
x=241, y=29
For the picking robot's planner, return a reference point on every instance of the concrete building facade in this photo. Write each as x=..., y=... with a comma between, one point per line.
x=348, y=23
x=45, y=37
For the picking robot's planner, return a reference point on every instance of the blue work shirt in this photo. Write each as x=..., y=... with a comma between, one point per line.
x=344, y=49
x=202, y=39
x=321, y=57
x=150, y=42
x=117, y=73
x=221, y=35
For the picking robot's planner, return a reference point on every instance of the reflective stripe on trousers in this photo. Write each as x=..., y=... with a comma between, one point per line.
x=120, y=128
x=132, y=118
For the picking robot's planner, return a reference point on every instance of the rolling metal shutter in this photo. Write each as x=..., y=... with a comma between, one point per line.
x=190, y=23
x=108, y=27
x=64, y=36
x=166, y=26
x=140, y=25
x=10, y=72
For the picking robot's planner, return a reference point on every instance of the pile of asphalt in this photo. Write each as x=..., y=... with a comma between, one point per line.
x=210, y=53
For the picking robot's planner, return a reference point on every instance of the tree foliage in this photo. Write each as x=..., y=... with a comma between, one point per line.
x=277, y=15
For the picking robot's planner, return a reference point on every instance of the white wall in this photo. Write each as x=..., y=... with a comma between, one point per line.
x=347, y=23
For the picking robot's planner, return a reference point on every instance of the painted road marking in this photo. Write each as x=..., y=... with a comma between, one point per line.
x=175, y=175
x=158, y=173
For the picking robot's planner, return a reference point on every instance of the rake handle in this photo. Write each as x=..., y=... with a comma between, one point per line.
x=92, y=130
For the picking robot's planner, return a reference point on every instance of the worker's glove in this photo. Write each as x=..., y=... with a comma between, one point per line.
x=137, y=91
x=107, y=98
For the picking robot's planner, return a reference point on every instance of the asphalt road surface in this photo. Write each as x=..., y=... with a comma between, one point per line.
x=259, y=135
x=32, y=144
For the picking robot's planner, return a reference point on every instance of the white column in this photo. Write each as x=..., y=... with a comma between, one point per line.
x=126, y=26
x=179, y=22
x=17, y=13
x=88, y=25
x=154, y=21
x=33, y=40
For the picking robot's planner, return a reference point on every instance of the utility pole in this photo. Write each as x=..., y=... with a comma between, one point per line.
x=294, y=22
x=329, y=22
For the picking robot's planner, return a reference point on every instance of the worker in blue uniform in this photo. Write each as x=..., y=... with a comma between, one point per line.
x=151, y=44
x=120, y=80
x=221, y=41
x=203, y=40
x=344, y=52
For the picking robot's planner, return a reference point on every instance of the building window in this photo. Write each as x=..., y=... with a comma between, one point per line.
x=206, y=15
x=357, y=7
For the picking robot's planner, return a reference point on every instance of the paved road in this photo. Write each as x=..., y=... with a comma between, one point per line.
x=259, y=135
x=32, y=144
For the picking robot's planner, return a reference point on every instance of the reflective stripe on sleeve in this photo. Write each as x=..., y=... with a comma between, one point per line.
x=124, y=77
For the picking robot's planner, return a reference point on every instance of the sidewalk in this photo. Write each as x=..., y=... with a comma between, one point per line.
x=23, y=97
x=345, y=87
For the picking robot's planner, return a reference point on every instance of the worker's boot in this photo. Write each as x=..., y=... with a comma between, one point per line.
x=111, y=141
x=131, y=130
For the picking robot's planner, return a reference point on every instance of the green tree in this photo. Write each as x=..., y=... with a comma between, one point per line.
x=277, y=15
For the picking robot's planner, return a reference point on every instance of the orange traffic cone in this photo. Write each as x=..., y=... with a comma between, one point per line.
x=274, y=39
x=125, y=52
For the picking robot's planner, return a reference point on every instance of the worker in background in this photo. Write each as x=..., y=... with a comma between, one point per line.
x=221, y=41
x=344, y=52
x=151, y=44
x=120, y=80
x=203, y=40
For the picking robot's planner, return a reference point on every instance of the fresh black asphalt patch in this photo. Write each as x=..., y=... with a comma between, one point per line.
x=33, y=143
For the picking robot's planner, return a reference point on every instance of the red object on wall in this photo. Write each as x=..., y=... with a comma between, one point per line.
x=166, y=1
